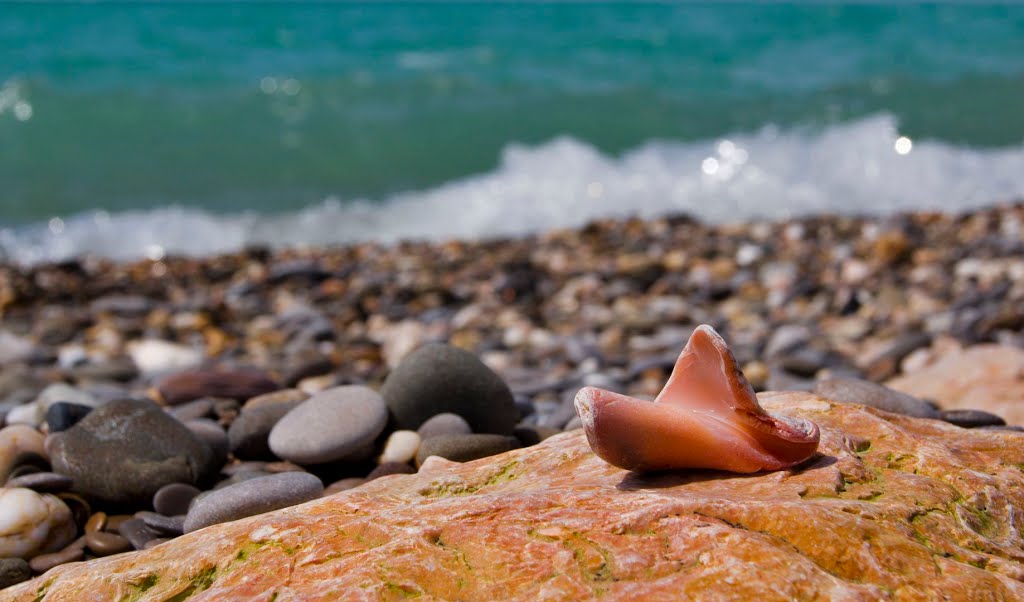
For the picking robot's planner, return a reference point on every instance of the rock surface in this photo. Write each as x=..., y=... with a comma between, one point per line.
x=893, y=508
x=983, y=377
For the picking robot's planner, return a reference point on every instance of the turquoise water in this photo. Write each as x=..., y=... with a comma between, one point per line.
x=220, y=116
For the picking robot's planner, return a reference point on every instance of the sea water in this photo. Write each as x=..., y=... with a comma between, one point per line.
x=135, y=130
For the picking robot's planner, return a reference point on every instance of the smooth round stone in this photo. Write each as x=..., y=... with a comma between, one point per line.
x=102, y=543
x=16, y=442
x=63, y=415
x=970, y=419
x=164, y=525
x=390, y=468
x=253, y=497
x=852, y=390
x=174, y=499
x=343, y=485
x=96, y=522
x=125, y=451
x=33, y=523
x=464, y=448
x=331, y=425
x=249, y=434
x=213, y=435
x=240, y=384
x=115, y=521
x=28, y=414
x=136, y=532
x=43, y=482
x=444, y=424
x=400, y=447
x=438, y=378
x=13, y=571
x=44, y=562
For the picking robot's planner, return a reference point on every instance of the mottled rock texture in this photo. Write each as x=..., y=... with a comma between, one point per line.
x=983, y=377
x=892, y=508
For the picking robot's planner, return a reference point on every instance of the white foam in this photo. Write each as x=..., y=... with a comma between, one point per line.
x=847, y=168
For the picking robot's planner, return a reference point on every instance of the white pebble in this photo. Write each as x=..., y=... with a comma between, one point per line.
x=32, y=524
x=401, y=446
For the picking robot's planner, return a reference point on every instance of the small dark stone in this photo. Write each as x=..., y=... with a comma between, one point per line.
x=852, y=390
x=43, y=482
x=163, y=525
x=464, y=448
x=970, y=419
x=174, y=499
x=137, y=532
x=389, y=468
x=63, y=415
x=13, y=571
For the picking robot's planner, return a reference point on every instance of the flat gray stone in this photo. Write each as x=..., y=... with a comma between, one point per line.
x=252, y=497
x=332, y=425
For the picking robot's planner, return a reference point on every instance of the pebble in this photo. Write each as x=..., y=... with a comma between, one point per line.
x=136, y=532
x=115, y=521
x=164, y=525
x=464, y=448
x=13, y=571
x=174, y=499
x=42, y=482
x=390, y=468
x=970, y=419
x=249, y=434
x=125, y=451
x=32, y=523
x=252, y=497
x=343, y=485
x=276, y=397
x=28, y=414
x=238, y=384
x=852, y=390
x=44, y=562
x=156, y=356
x=102, y=543
x=199, y=408
x=63, y=415
x=96, y=522
x=213, y=435
x=62, y=392
x=332, y=425
x=401, y=446
x=444, y=424
x=16, y=442
x=439, y=378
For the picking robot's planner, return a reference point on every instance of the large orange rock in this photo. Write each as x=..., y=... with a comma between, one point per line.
x=982, y=377
x=892, y=508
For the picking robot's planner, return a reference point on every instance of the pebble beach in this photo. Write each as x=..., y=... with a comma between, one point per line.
x=142, y=400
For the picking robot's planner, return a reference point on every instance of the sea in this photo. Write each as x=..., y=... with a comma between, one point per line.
x=132, y=130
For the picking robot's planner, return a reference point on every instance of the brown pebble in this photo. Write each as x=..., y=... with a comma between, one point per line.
x=80, y=508
x=105, y=544
x=154, y=542
x=114, y=522
x=343, y=485
x=96, y=522
x=44, y=562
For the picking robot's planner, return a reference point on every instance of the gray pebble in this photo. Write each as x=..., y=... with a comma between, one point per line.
x=439, y=378
x=136, y=532
x=332, y=425
x=970, y=419
x=464, y=448
x=174, y=499
x=213, y=435
x=200, y=408
x=43, y=482
x=852, y=390
x=252, y=497
x=163, y=525
x=444, y=424
x=249, y=434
